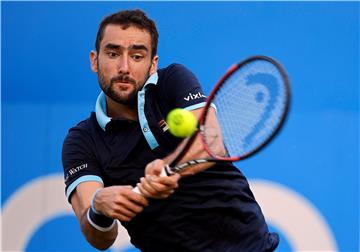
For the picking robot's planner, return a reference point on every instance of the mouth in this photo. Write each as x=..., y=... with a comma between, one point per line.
x=123, y=80
x=122, y=86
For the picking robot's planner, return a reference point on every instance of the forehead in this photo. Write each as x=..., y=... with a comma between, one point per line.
x=115, y=34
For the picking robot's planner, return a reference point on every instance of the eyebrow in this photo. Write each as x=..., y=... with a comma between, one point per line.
x=138, y=47
x=131, y=47
x=112, y=46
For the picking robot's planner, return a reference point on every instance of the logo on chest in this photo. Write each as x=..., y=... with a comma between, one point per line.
x=163, y=125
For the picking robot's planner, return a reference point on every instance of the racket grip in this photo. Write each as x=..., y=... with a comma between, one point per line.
x=165, y=171
x=136, y=189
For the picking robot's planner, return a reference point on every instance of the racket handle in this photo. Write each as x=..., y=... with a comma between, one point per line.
x=136, y=189
x=165, y=171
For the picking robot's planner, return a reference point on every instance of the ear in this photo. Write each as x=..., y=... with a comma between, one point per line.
x=154, y=64
x=94, y=61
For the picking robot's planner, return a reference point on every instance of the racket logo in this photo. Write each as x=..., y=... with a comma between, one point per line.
x=267, y=98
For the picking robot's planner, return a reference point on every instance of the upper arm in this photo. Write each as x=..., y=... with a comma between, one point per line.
x=83, y=176
x=79, y=162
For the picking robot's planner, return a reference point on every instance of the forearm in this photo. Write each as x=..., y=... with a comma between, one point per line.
x=98, y=210
x=98, y=239
x=196, y=151
x=81, y=201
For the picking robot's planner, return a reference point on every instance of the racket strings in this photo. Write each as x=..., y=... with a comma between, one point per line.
x=250, y=105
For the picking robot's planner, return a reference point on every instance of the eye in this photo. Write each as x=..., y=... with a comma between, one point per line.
x=137, y=57
x=112, y=54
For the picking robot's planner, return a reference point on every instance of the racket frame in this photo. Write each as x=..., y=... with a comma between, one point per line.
x=217, y=87
x=174, y=168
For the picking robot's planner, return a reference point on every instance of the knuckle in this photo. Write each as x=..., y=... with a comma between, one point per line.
x=124, y=218
x=139, y=209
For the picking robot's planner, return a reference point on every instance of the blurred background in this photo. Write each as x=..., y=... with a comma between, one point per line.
x=306, y=181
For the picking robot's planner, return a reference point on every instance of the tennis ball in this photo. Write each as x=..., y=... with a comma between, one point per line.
x=181, y=122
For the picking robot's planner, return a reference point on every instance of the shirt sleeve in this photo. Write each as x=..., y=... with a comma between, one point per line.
x=79, y=162
x=182, y=88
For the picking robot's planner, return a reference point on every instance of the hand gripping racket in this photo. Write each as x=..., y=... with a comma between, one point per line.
x=252, y=101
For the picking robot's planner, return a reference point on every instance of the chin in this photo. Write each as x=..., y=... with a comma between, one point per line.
x=130, y=99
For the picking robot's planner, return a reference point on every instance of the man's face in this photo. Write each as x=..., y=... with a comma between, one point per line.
x=123, y=62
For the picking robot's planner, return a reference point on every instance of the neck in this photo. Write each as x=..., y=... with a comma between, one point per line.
x=118, y=110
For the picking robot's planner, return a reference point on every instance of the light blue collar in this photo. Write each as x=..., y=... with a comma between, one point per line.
x=100, y=106
x=100, y=111
x=153, y=79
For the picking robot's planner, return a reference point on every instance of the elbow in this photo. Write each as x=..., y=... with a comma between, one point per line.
x=101, y=243
x=98, y=239
x=101, y=246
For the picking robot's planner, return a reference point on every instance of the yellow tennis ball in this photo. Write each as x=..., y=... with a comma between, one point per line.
x=181, y=122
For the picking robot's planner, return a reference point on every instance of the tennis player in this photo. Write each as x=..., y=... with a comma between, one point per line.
x=125, y=142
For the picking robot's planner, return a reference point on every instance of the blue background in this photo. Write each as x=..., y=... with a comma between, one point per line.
x=47, y=87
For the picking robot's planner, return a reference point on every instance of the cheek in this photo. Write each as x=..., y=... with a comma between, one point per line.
x=143, y=76
x=102, y=79
x=104, y=68
x=105, y=72
x=105, y=65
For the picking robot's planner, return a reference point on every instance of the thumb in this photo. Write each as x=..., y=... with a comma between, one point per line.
x=155, y=167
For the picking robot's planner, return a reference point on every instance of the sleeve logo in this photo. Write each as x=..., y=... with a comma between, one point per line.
x=195, y=96
x=74, y=170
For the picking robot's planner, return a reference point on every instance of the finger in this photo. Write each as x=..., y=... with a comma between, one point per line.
x=126, y=212
x=170, y=181
x=167, y=193
x=121, y=213
x=155, y=167
x=159, y=192
x=130, y=201
x=143, y=191
x=161, y=184
x=123, y=217
x=146, y=188
x=163, y=195
x=139, y=199
x=150, y=186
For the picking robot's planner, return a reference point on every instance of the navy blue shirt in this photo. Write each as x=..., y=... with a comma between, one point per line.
x=213, y=210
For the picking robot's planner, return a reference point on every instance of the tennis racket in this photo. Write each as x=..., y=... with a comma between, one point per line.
x=252, y=102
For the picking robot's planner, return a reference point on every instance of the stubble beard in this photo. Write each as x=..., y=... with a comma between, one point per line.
x=122, y=97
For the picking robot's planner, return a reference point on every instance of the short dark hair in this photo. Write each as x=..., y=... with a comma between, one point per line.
x=126, y=19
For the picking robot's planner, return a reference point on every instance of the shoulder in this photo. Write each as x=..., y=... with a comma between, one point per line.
x=173, y=70
x=176, y=77
x=85, y=129
x=174, y=67
x=80, y=142
x=178, y=87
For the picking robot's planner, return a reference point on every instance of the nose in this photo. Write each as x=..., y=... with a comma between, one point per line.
x=123, y=65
